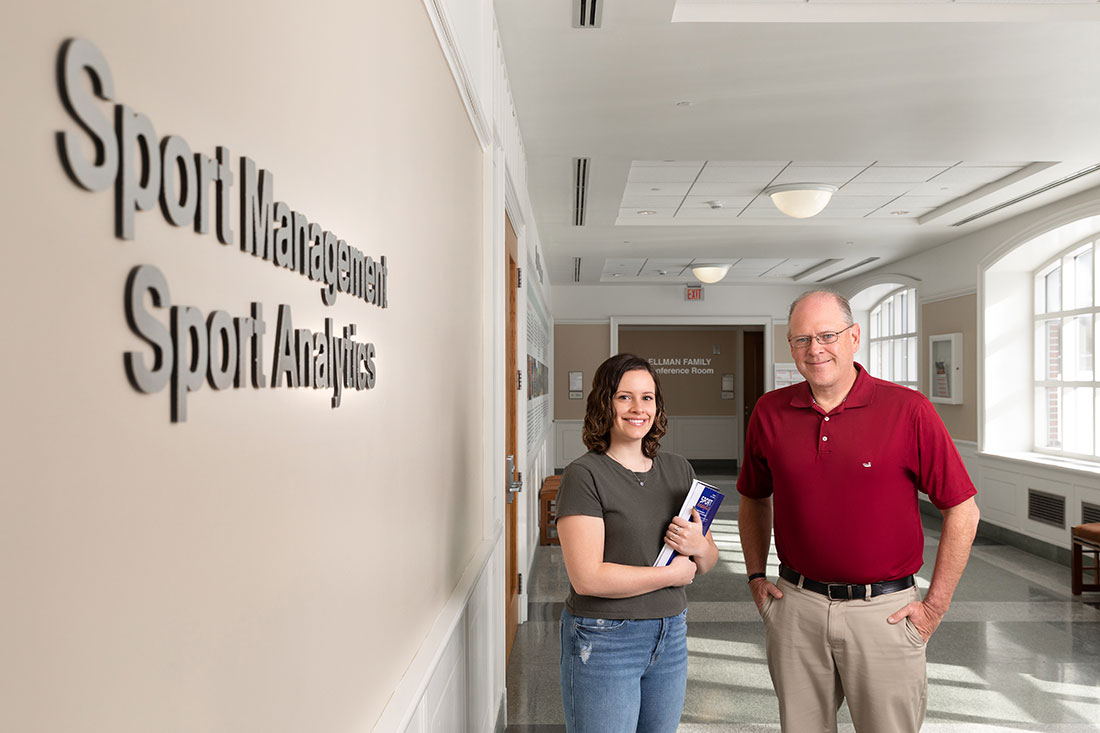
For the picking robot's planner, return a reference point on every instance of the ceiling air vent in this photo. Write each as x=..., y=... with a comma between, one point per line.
x=1089, y=513
x=1029, y=194
x=861, y=263
x=576, y=269
x=1046, y=508
x=587, y=13
x=580, y=190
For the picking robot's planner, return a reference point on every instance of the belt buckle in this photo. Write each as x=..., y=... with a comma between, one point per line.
x=844, y=592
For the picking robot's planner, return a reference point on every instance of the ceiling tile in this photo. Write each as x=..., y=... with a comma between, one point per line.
x=920, y=202
x=975, y=175
x=939, y=187
x=887, y=213
x=831, y=213
x=817, y=174
x=739, y=173
x=778, y=164
x=700, y=215
x=666, y=163
x=791, y=267
x=633, y=215
x=832, y=163
x=997, y=164
x=897, y=174
x=641, y=201
x=712, y=190
x=728, y=202
x=859, y=202
x=649, y=188
x=753, y=266
x=662, y=174
x=916, y=163
x=874, y=189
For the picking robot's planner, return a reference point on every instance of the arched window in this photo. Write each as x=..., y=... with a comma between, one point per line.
x=1065, y=337
x=892, y=334
x=1039, y=303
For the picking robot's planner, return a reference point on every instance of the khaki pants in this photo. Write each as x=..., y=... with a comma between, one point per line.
x=821, y=652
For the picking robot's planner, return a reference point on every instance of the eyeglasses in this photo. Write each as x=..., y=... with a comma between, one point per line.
x=828, y=337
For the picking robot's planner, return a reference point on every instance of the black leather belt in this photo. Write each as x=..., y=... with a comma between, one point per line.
x=846, y=592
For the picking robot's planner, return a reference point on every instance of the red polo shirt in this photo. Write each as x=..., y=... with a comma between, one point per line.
x=844, y=484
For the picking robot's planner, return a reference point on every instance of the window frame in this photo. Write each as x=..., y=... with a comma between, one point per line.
x=1040, y=356
x=874, y=337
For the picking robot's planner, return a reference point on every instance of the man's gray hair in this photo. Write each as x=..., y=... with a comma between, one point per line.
x=845, y=306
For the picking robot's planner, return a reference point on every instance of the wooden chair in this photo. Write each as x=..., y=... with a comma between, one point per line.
x=548, y=497
x=1086, y=539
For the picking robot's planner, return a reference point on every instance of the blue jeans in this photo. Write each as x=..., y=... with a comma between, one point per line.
x=622, y=676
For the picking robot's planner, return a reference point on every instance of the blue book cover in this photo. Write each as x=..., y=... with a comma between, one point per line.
x=705, y=499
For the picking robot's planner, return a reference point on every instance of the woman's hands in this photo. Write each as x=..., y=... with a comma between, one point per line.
x=582, y=539
x=683, y=570
x=687, y=537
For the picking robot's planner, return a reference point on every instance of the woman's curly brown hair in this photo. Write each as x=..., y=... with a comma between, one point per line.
x=600, y=414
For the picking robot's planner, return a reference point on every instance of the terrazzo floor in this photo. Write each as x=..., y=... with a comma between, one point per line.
x=1016, y=652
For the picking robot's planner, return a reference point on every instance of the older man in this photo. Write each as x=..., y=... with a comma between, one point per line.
x=838, y=461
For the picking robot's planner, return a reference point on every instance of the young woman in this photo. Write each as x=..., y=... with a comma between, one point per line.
x=624, y=628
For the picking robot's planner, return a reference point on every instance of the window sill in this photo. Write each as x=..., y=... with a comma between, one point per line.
x=1029, y=458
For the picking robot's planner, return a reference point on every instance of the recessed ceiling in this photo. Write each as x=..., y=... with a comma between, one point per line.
x=884, y=11
x=732, y=192
x=742, y=271
x=944, y=120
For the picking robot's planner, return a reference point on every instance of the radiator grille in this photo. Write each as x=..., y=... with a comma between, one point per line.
x=1089, y=513
x=1046, y=508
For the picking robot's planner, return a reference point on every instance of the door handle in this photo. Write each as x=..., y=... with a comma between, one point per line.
x=513, y=480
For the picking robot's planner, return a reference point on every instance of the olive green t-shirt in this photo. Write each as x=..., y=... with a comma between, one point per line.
x=635, y=520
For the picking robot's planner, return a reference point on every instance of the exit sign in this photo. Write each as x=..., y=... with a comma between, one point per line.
x=693, y=292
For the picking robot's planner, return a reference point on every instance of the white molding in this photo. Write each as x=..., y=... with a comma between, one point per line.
x=1040, y=461
x=403, y=705
x=444, y=32
x=1055, y=220
x=512, y=206
x=854, y=287
x=960, y=293
x=581, y=321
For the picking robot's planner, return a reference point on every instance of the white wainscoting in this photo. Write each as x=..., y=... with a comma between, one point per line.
x=1003, y=484
x=692, y=437
x=568, y=443
x=450, y=684
x=704, y=437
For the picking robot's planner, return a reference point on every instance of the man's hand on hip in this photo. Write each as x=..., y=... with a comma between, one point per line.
x=762, y=588
x=925, y=618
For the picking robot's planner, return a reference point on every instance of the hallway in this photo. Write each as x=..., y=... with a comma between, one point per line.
x=1016, y=651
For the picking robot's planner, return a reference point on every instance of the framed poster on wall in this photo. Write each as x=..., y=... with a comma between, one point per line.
x=945, y=368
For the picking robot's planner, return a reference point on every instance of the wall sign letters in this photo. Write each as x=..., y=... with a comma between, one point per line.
x=191, y=188
x=681, y=365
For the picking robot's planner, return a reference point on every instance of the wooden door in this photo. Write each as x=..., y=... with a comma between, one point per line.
x=753, y=369
x=511, y=395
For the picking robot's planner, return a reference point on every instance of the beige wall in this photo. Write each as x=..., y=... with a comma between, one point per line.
x=954, y=315
x=781, y=350
x=271, y=564
x=577, y=347
x=688, y=394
